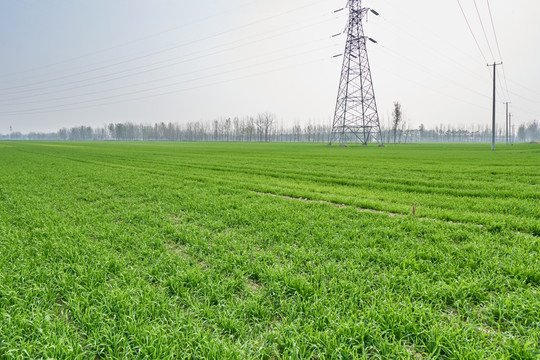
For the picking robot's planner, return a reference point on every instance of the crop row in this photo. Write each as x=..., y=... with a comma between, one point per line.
x=153, y=251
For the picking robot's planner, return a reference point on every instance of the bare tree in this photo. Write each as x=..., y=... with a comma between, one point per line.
x=396, y=119
x=226, y=126
x=237, y=129
x=250, y=128
x=403, y=130
x=265, y=122
x=216, y=129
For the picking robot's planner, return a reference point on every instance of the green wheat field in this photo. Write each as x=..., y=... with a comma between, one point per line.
x=269, y=251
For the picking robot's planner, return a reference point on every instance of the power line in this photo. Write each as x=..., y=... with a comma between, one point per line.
x=428, y=31
x=445, y=57
x=525, y=98
x=502, y=87
x=439, y=74
x=129, y=42
x=493, y=27
x=487, y=41
x=192, y=58
x=432, y=89
x=498, y=47
x=29, y=112
x=471, y=31
x=507, y=91
x=163, y=50
x=401, y=31
x=59, y=107
x=483, y=29
x=525, y=87
x=265, y=55
x=531, y=116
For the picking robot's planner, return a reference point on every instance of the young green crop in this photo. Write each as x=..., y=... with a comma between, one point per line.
x=168, y=251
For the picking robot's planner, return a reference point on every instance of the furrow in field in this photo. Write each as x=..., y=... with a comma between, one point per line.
x=364, y=184
x=443, y=207
x=388, y=213
x=472, y=189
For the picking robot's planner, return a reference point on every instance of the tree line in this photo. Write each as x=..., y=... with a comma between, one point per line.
x=264, y=128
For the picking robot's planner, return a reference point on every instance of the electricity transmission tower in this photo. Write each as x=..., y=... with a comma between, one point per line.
x=356, y=117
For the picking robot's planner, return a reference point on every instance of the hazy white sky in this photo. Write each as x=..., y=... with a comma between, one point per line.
x=66, y=63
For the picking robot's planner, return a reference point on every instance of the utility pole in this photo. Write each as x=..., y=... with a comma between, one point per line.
x=356, y=117
x=506, y=103
x=494, y=105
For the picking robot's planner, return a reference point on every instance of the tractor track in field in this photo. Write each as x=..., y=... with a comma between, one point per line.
x=382, y=212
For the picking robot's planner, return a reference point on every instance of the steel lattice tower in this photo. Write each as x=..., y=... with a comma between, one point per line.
x=356, y=117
